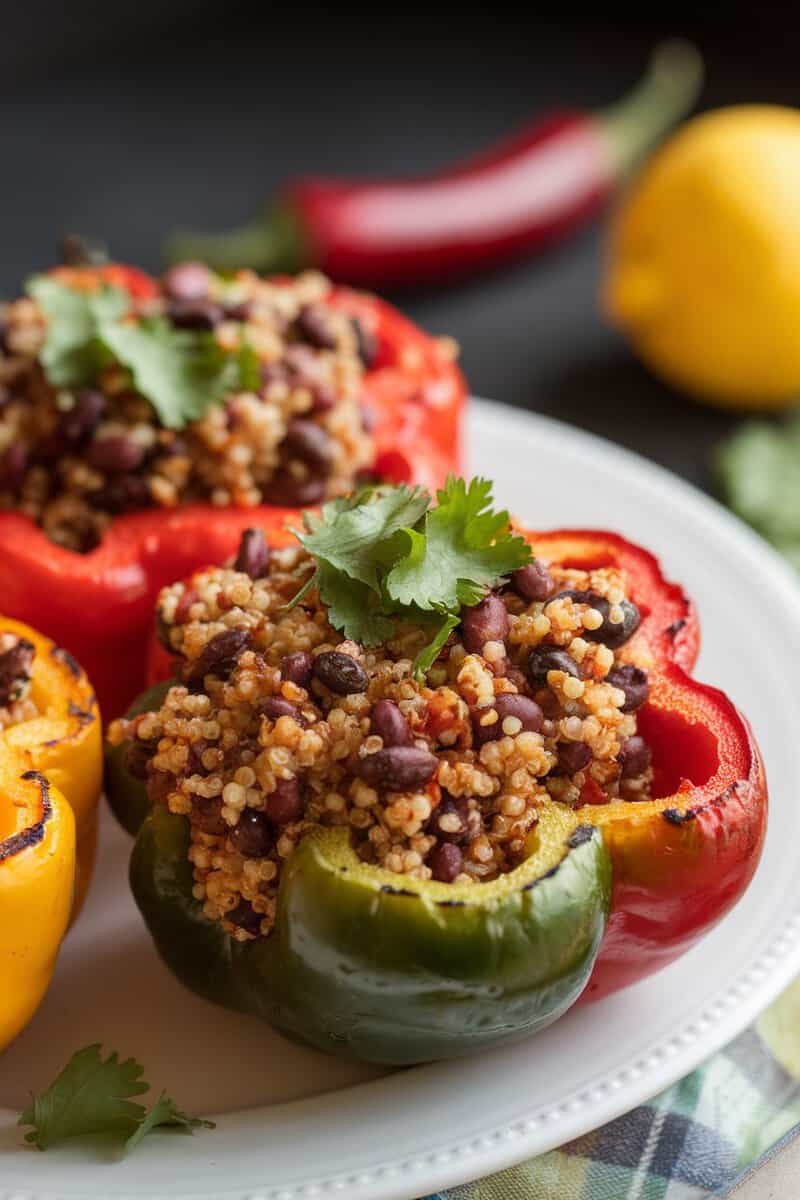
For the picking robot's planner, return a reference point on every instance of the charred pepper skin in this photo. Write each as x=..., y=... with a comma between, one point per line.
x=50, y=781
x=364, y=965
x=99, y=605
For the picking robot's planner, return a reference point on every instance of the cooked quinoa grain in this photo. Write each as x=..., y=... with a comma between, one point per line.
x=278, y=725
x=73, y=459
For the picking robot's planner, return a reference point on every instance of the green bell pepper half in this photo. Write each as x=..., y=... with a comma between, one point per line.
x=368, y=965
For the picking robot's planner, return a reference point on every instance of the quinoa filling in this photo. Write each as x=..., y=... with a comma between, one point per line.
x=16, y=666
x=279, y=725
x=73, y=457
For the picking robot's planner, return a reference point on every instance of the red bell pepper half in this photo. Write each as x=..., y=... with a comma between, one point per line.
x=681, y=860
x=99, y=605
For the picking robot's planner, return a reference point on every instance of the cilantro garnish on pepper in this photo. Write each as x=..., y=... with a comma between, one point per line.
x=387, y=555
x=93, y=1095
x=181, y=372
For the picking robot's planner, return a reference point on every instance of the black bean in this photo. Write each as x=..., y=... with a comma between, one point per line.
x=159, y=786
x=121, y=494
x=543, y=659
x=284, y=805
x=366, y=342
x=254, y=554
x=15, y=670
x=244, y=916
x=219, y=655
x=573, y=757
x=195, y=314
x=455, y=809
x=534, y=582
x=187, y=281
x=398, y=768
x=635, y=757
x=253, y=835
x=313, y=324
x=285, y=490
x=340, y=672
x=13, y=468
x=297, y=668
x=445, y=862
x=207, y=815
x=389, y=724
x=274, y=372
x=612, y=634
x=115, y=455
x=275, y=707
x=509, y=704
x=633, y=682
x=194, y=759
x=311, y=444
x=484, y=622
x=242, y=311
x=79, y=423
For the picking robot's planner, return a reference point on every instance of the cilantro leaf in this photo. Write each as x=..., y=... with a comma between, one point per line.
x=384, y=556
x=165, y=1112
x=92, y=1095
x=428, y=655
x=180, y=372
x=758, y=470
x=73, y=352
x=466, y=547
x=353, y=607
x=348, y=535
x=89, y=1096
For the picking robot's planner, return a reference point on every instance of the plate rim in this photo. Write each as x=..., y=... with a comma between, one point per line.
x=699, y=1035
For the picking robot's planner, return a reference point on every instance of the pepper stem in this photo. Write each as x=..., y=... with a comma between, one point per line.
x=272, y=244
x=667, y=93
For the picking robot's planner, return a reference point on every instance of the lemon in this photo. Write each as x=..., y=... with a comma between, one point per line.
x=703, y=271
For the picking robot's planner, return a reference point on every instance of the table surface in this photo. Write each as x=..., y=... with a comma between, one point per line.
x=173, y=120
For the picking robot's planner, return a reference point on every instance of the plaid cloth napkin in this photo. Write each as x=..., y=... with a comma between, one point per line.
x=688, y=1142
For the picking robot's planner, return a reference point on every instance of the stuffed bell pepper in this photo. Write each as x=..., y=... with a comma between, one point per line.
x=418, y=779
x=50, y=781
x=144, y=425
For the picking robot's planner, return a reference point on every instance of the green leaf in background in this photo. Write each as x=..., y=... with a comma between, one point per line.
x=758, y=471
x=93, y=1095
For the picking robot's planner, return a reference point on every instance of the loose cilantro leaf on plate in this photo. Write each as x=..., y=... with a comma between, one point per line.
x=385, y=555
x=181, y=372
x=93, y=1095
x=165, y=1112
x=89, y=1096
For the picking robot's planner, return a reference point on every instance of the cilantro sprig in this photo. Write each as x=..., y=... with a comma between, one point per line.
x=387, y=555
x=93, y=1095
x=181, y=372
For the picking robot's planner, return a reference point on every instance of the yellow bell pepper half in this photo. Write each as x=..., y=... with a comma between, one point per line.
x=50, y=784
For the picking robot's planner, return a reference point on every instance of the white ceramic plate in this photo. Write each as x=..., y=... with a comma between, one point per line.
x=294, y=1124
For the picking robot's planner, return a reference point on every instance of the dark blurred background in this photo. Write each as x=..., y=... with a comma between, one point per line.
x=122, y=121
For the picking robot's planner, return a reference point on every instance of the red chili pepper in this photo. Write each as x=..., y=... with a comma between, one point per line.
x=530, y=190
x=99, y=605
x=682, y=860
